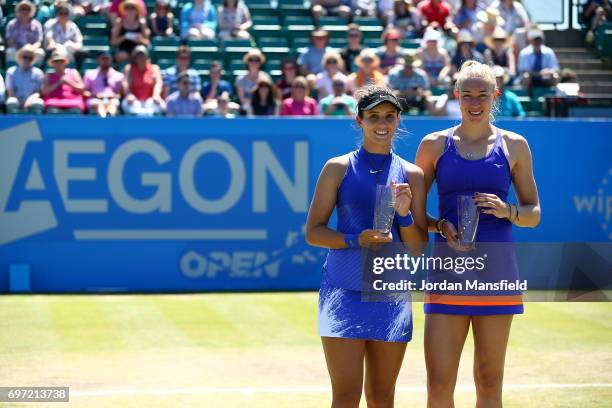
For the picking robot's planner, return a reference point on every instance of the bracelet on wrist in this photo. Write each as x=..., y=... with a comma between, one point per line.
x=351, y=240
x=440, y=226
x=405, y=221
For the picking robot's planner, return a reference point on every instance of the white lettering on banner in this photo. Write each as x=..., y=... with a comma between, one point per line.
x=236, y=264
x=29, y=191
x=161, y=200
x=601, y=204
x=33, y=217
x=62, y=150
x=237, y=180
x=265, y=161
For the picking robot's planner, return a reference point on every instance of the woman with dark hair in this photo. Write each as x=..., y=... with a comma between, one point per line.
x=467, y=15
x=289, y=71
x=263, y=100
x=161, y=20
x=357, y=333
x=233, y=20
x=406, y=18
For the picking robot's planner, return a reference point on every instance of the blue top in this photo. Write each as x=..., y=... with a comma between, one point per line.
x=355, y=204
x=456, y=175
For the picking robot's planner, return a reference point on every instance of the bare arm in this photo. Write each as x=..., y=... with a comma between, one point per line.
x=322, y=206
x=524, y=182
x=430, y=149
x=116, y=38
x=415, y=237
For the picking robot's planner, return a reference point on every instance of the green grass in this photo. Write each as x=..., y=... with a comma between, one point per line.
x=153, y=342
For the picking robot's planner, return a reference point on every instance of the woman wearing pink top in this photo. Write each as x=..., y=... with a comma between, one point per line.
x=62, y=89
x=300, y=104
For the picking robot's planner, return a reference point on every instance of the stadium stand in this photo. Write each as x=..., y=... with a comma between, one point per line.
x=281, y=30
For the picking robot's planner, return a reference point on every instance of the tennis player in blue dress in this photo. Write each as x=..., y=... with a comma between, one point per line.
x=354, y=331
x=479, y=160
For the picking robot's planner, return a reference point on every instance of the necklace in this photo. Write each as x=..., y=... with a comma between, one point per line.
x=470, y=155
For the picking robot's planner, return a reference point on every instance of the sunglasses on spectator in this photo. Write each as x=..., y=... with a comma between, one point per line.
x=332, y=61
x=253, y=60
x=26, y=9
x=367, y=60
x=62, y=13
x=185, y=82
x=299, y=86
x=27, y=57
x=354, y=35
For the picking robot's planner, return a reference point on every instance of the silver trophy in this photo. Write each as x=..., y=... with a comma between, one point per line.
x=384, y=209
x=467, y=213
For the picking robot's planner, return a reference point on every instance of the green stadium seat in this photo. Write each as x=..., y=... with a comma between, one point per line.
x=410, y=44
x=297, y=43
x=267, y=19
x=336, y=31
x=366, y=21
x=371, y=32
x=332, y=21
x=337, y=42
x=204, y=49
x=165, y=63
x=95, y=44
x=372, y=42
x=298, y=20
x=89, y=63
x=165, y=41
x=272, y=42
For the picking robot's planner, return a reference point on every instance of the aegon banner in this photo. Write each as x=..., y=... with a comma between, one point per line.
x=161, y=204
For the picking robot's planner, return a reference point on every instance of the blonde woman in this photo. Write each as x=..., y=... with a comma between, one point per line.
x=483, y=161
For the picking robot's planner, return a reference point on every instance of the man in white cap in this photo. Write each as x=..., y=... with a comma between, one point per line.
x=537, y=63
x=23, y=83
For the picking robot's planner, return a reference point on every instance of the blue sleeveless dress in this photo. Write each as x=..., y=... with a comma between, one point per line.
x=342, y=310
x=456, y=176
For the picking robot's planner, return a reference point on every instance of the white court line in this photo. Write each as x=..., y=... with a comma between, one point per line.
x=306, y=390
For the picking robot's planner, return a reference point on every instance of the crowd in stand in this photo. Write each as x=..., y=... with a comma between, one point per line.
x=319, y=82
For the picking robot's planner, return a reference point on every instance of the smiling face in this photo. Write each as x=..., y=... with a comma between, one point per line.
x=475, y=99
x=379, y=124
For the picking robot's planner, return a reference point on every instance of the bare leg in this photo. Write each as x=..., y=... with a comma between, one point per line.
x=383, y=363
x=444, y=339
x=344, y=359
x=490, y=342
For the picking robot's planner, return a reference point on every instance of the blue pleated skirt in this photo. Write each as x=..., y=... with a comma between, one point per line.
x=346, y=314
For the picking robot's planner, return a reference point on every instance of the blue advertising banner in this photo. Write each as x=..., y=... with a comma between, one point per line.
x=159, y=204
